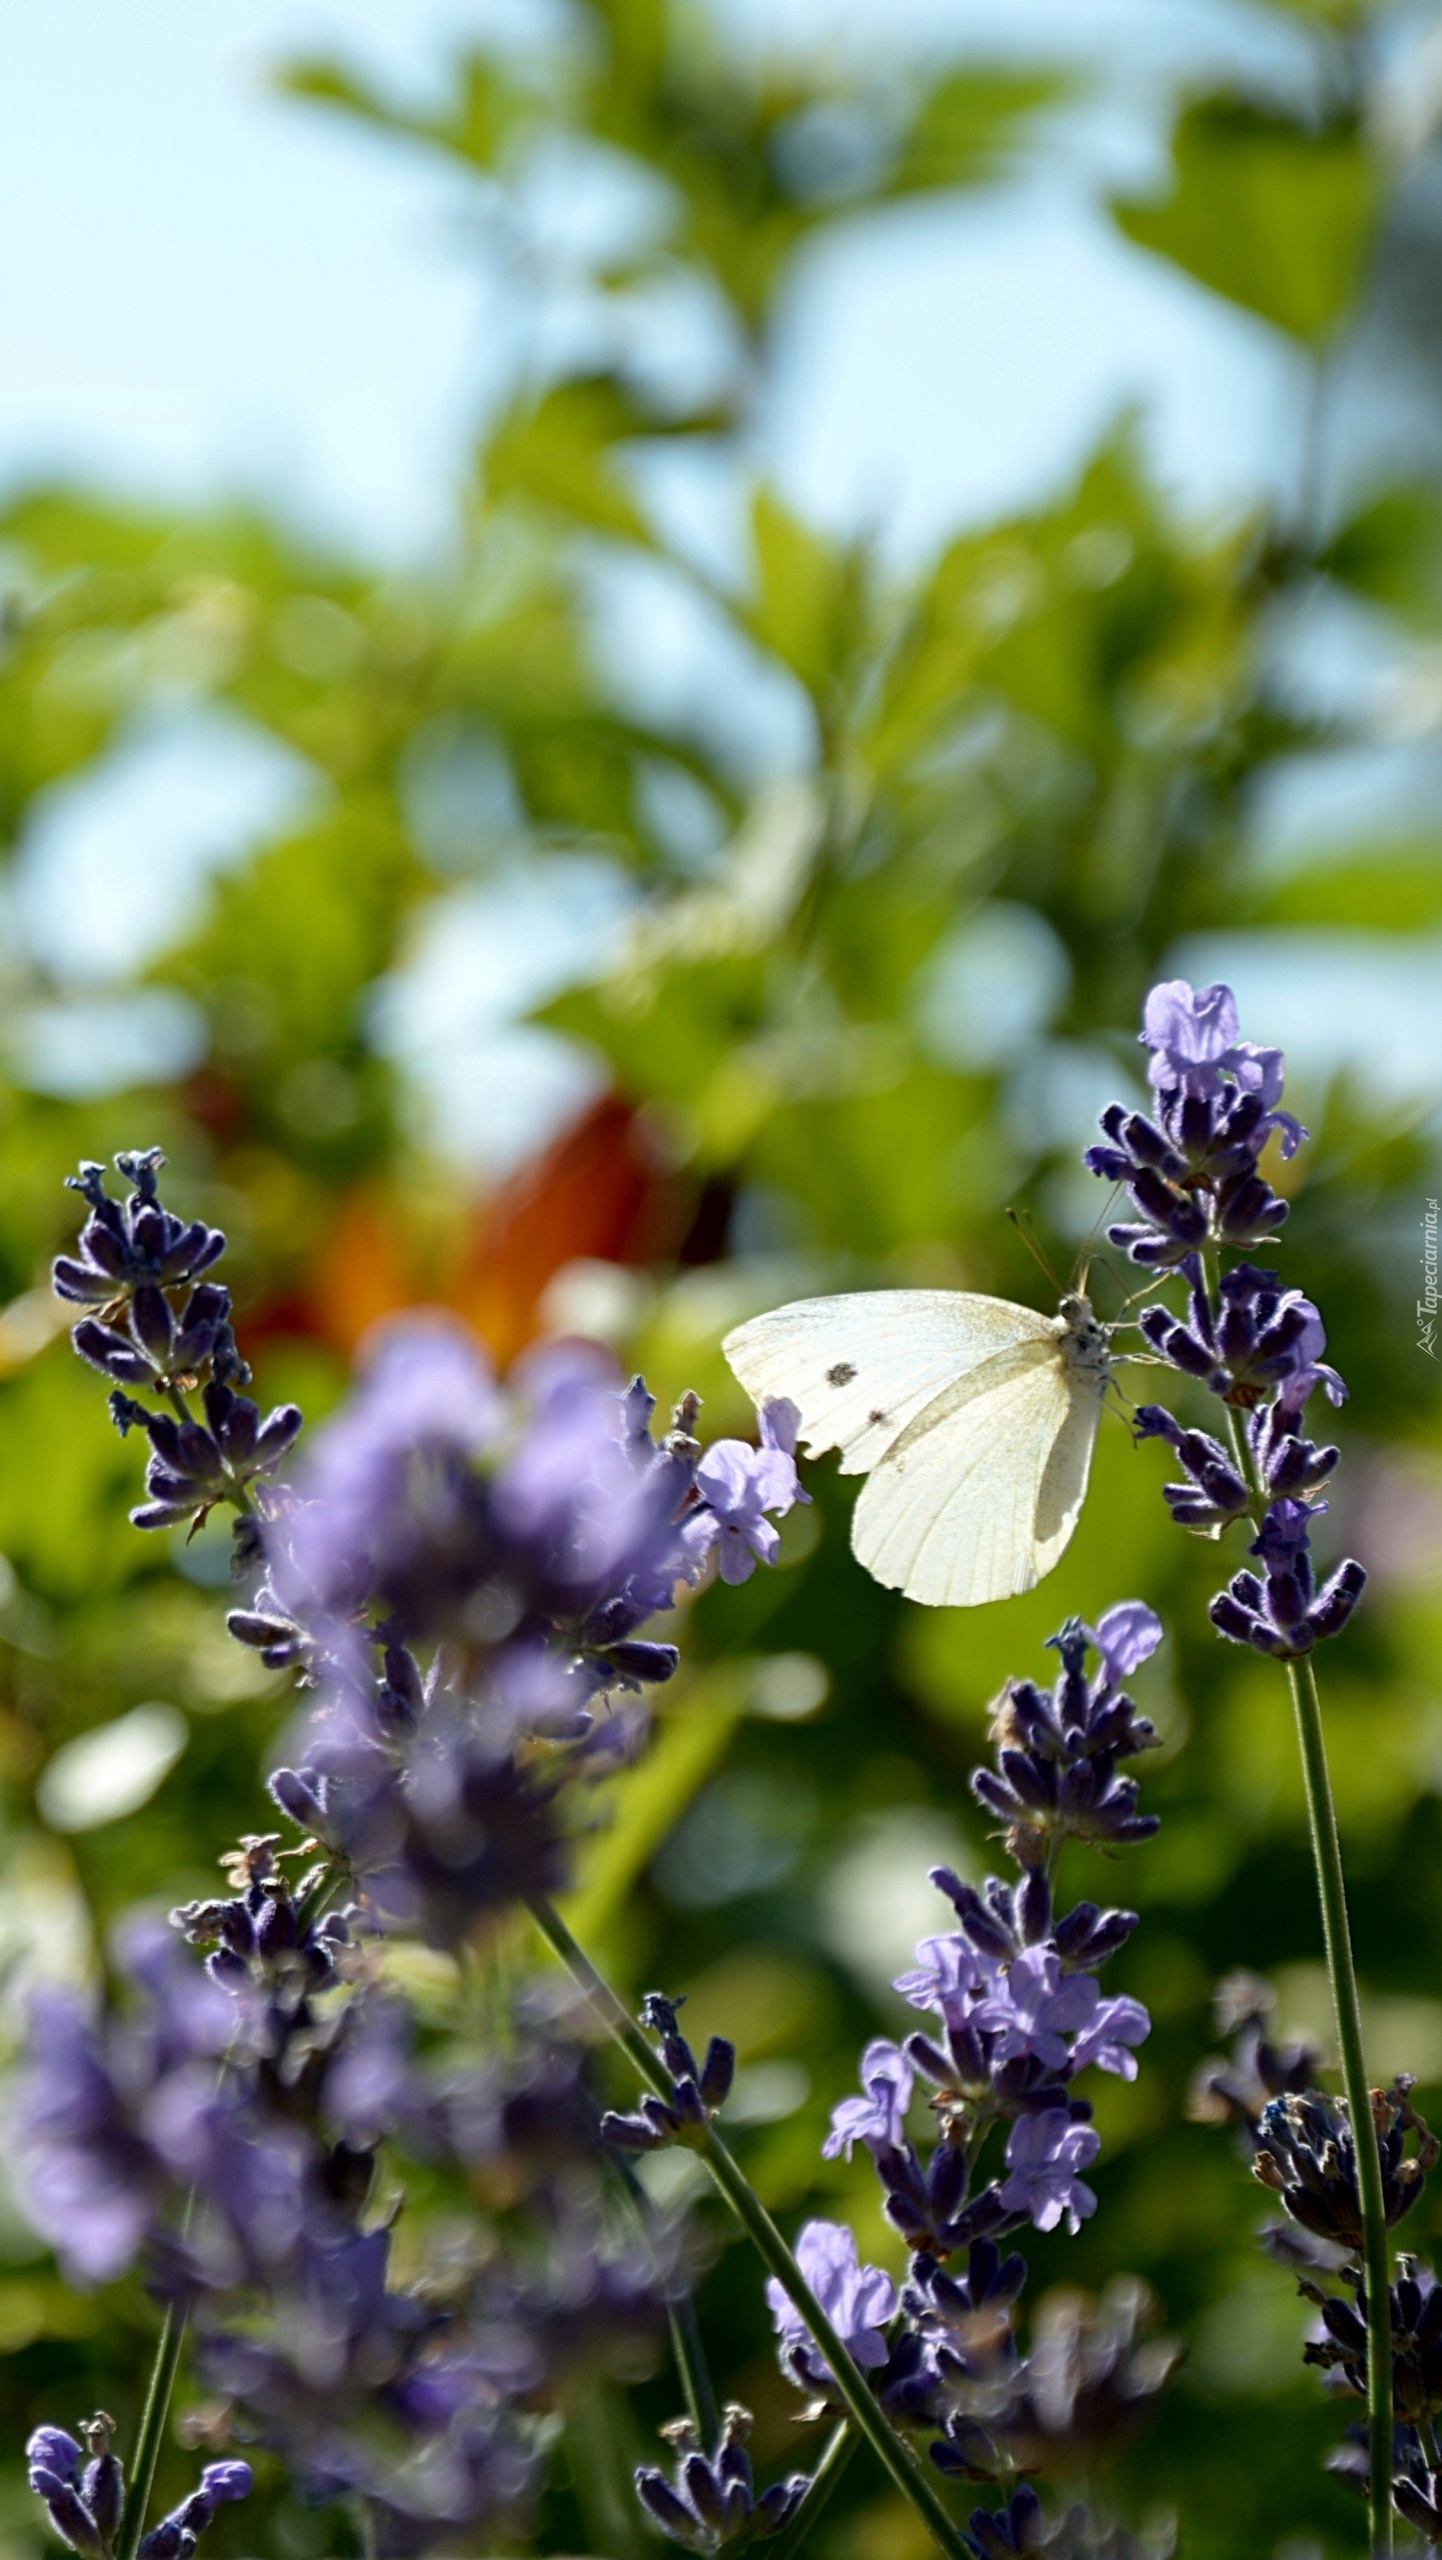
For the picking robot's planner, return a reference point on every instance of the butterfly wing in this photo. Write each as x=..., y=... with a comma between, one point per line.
x=862, y=1367
x=981, y=1493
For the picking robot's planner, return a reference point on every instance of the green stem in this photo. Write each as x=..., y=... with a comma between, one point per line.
x=152, y=2427
x=1331, y=1887
x=694, y=2371
x=840, y=2447
x=895, y=2456
x=689, y=2354
x=1346, y=2008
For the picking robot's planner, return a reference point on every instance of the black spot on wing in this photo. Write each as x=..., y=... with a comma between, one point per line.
x=876, y=1417
x=841, y=1375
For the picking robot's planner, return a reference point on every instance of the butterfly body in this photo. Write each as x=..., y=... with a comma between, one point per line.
x=974, y=1419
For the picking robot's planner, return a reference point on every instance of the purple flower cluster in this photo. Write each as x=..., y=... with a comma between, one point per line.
x=1022, y=2527
x=1193, y=1171
x=1301, y=2145
x=1057, y=1752
x=463, y=1580
x=712, y=2500
x=1017, y=2016
x=85, y=2497
x=163, y=1328
x=238, y=2088
x=1194, y=1175
x=521, y=1543
x=698, y=2089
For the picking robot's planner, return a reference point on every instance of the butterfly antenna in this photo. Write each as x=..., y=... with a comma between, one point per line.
x=1158, y=1280
x=1086, y=1250
x=1022, y=1220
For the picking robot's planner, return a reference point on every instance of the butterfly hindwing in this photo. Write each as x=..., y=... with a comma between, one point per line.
x=978, y=1501
x=864, y=1366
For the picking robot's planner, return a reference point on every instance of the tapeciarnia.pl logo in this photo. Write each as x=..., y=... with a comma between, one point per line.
x=1427, y=1303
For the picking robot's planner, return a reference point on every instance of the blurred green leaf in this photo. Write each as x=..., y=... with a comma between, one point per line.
x=557, y=455
x=1266, y=212
x=1392, y=889
x=808, y=609
x=65, y=1496
x=644, y=1805
x=968, y=126
x=1391, y=552
x=485, y=108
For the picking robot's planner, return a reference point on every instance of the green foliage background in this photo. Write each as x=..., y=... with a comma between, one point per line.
x=1046, y=737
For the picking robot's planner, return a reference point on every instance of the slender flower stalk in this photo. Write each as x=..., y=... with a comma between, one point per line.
x=152, y=2431
x=1332, y=1891
x=1347, y=2012
x=751, y=2213
x=692, y=2368
x=841, y=2444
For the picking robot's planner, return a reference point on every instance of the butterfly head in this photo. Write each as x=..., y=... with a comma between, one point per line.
x=1084, y=1337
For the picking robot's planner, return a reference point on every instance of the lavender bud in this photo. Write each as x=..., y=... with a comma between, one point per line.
x=112, y=1354
x=1337, y=1599
x=71, y=2519
x=51, y=2450
x=167, y=2540
x=300, y=1793
x=717, y=2073
x=154, y=1325
x=661, y=2502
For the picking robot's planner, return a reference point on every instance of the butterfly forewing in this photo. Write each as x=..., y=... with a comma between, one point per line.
x=862, y=1367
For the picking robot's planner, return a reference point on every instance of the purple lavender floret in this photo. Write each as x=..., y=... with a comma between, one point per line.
x=164, y=1330
x=858, y=2300
x=55, y=2459
x=738, y=1486
x=1035, y=2007
x=87, y=2507
x=1193, y=1037
x=878, y=2119
x=1044, y=2155
x=176, y=2535
x=1257, y=1338
x=1017, y=2014
x=698, y=2089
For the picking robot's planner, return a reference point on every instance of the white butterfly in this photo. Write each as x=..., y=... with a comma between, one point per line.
x=974, y=1418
